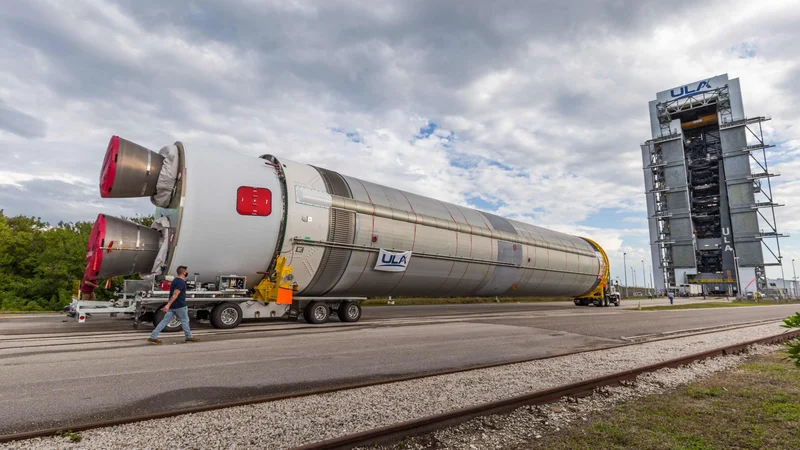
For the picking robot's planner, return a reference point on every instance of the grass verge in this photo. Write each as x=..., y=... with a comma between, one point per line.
x=704, y=305
x=754, y=406
x=400, y=301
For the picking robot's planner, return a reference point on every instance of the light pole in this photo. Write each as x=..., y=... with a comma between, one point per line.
x=783, y=275
x=738, y=281
x=652, y=280
x=644, y=278
x=794, y=276
x=786, y=291
x=633, y=271
x=625, y=264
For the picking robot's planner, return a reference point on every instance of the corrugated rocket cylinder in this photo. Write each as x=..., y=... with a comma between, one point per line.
x=234, y=214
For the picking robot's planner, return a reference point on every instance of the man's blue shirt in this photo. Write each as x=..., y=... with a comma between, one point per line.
x=178, y=284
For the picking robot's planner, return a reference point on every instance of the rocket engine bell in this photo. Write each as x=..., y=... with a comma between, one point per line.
x=120, y=247
x=229, y=213
x=129, y=170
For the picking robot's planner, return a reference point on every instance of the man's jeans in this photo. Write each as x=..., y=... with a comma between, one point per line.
x=183, y=315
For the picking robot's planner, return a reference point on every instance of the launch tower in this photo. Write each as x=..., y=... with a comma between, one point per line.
x=709, y=196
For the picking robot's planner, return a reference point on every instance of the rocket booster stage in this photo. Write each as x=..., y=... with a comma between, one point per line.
x=223, y=214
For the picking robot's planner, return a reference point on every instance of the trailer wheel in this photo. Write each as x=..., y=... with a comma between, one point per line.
x=316, y=313
x=349, y=311
x=226, y=316
x=173, y=325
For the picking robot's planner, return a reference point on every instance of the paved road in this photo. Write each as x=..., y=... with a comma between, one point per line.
x=57, y=323
x=70, y=373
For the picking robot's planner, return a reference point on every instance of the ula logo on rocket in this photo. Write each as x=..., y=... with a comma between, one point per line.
x=392, y=261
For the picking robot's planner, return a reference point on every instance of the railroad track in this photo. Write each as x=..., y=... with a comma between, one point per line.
x=426, y=424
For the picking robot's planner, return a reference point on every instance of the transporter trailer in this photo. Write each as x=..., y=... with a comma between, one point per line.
x=222, y=309
x=224, y=304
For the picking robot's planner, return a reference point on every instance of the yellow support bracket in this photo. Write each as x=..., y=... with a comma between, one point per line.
x=276, y=289
x=599, y=291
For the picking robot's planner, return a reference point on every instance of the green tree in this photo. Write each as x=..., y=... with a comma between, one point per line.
x=142, y=220
x=40, y=263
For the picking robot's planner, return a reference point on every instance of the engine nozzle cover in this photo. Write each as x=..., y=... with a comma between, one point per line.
x=129, y=170
x=118, y=247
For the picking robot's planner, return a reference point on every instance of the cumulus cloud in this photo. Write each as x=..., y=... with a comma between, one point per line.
x=532, y=109
x=17, y=122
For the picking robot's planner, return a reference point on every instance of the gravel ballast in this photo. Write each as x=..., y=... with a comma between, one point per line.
x=527, y=424
x=291, y=422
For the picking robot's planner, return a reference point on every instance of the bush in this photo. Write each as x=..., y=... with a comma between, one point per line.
x=793, y=346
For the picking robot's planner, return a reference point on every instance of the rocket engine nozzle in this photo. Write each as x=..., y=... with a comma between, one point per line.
x=129, y=170
x=119, y=247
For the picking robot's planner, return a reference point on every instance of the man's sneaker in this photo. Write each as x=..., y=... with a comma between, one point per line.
x=192, y=339
x=154, y=341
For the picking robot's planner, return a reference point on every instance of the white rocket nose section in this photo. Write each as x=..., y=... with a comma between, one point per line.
x=229, y=221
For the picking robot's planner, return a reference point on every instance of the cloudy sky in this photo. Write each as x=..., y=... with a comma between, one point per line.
x=534, y=110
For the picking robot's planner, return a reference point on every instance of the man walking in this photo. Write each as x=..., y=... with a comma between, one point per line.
x=87, y=288
x=671, y=297
x=175, y=307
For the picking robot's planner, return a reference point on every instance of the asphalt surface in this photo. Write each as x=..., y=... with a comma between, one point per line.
x=58, y=323
x=58, y=373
